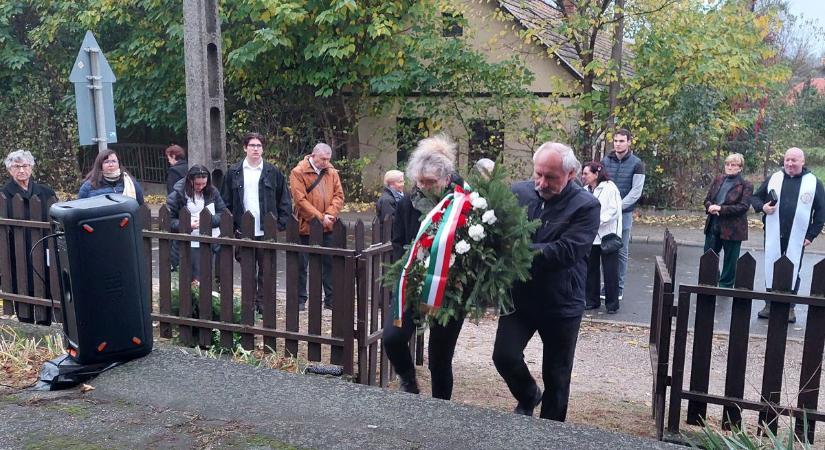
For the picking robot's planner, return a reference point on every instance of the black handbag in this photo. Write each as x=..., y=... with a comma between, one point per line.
x=611, y=243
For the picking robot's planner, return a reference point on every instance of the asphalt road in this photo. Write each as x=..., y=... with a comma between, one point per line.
x=636, y=303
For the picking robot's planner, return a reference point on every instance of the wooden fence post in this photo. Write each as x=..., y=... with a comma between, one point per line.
x=811, y=370
x=270, y=269
x=740, y=318
x=703, y=337
x=249, y=279
x=293, y=262
x=227, y=282
x=164, y=272
x=775, y=343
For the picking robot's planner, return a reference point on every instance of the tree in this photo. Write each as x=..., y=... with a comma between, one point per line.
x=715, y=52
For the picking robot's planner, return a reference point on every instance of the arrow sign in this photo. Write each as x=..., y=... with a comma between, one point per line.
x=93, y=77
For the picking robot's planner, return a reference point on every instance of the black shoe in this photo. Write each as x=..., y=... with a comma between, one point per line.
x=765, y=312
x=792, y=316
x=327, y=305
x=408, y=382
x=527, y=410
x=302, y=306
x=589, y=307
x=612, y=311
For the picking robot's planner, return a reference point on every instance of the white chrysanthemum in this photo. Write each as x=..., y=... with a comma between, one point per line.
x=473, y=196
x=476, y=232
x=462, y=247
x=427, y=262
x=489, y=217
x=421, y=254
x=479, y=203
x=452, y=259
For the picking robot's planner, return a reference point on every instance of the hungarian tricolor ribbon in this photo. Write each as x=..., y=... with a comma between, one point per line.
x=451, y=208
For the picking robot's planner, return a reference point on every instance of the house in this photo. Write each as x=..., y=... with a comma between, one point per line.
x=550, y=58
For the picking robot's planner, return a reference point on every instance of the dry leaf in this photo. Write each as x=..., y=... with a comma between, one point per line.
x=86, y=388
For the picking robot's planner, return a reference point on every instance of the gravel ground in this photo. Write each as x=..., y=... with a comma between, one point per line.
x=612, y=379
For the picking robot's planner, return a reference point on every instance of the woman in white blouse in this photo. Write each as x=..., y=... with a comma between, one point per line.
x=195, y=193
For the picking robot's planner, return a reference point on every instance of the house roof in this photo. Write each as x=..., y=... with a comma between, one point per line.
x=546, y=19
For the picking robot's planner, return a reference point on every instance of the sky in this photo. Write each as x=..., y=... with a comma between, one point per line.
x=811, y=9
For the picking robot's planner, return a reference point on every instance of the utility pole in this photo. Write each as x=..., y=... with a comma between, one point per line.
x=206, y=127
x=615, y=83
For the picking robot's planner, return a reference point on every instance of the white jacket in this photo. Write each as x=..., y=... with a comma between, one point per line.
x=610, y=219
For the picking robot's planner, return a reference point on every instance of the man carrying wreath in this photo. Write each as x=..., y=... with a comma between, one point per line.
x=552, y=301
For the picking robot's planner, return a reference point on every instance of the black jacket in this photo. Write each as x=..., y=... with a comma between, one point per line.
x=386, y=204
x=789, y=195
x=177, y=200
x=273, y=194
x=570, y=222
x=45, y=193
x=175, y=173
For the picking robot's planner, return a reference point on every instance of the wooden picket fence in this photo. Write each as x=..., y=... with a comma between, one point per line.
x=704, y=295
x=351, y=332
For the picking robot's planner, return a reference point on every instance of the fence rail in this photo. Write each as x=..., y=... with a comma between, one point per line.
x=704, y=296
x=227, y=291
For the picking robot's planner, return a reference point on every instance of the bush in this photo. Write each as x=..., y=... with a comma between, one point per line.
x=45, y=126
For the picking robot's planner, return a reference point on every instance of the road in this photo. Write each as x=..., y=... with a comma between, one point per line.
x=635, y=307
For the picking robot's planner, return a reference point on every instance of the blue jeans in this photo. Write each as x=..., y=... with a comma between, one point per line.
x=627, y=223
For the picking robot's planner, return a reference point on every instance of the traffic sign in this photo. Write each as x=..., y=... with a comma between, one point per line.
x=93, y=78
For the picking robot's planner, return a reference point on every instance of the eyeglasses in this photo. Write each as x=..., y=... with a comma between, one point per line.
x=254, y=145
x=20, y=166
x=110, y=161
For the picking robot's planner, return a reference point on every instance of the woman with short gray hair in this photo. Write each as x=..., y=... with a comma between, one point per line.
x=431, y=168
x=20, y=164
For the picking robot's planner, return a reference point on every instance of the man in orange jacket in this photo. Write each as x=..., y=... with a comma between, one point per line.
x=317, y=194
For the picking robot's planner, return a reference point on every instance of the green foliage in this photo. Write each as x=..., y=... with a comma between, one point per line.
x=482, y=277
x=45, y=126
x=711, y=438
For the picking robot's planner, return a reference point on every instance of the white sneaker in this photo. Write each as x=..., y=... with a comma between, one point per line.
x=602, y=297
x=621, y=297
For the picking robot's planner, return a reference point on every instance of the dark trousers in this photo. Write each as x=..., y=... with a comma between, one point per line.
x=610, y=266
x=439, y=352
x=559, y=336
x=326, y=271
x=731, y=248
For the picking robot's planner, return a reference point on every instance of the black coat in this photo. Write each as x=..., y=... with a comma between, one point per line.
x=177, y=200
x=273, y=194
x=43, y=192
x=386, y=204
x=174, y=174
x=570, y=222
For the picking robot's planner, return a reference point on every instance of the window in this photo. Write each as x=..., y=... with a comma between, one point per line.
x=452, y=25
x=409, y=130
x=486, y=140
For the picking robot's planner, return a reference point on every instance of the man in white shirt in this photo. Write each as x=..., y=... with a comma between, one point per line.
x=258, y=187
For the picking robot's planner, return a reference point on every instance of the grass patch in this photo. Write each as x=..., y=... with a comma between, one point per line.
x=261, y=441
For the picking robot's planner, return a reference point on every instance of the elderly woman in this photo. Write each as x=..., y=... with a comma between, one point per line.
x=727, y=205
x=106, y=177
x=195, y=193
x=431, y=169
x=20, y=164
x=596, y=180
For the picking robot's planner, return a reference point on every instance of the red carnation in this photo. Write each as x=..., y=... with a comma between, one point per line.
x=466, y=208
x=427, y=241
x=462, y=220
x=437, y=217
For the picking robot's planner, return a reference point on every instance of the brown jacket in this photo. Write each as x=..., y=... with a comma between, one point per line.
x=733, y=217
x=326, y=198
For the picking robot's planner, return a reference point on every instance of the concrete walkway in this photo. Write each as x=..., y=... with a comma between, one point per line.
x=174, y=399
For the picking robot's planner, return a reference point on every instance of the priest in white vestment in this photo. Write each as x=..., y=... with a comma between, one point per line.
x=793, y=201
